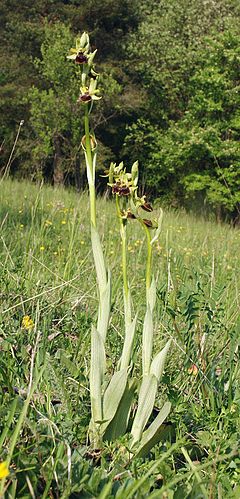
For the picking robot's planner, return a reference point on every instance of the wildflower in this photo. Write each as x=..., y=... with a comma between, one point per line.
x=27, y=322
x=193, y=369
x=79, y=52
x=145, y=205
x=63, y=222
x=89, y=93
x=120, y=189
x=42, y=248
x=4, y=471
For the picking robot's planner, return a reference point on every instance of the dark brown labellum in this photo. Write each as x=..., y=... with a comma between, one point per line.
x=115, y=189
x=85, y=97
x=147, y=207
x=124, y=191
x=146, y=222
x=130, y=215
x=81, y=58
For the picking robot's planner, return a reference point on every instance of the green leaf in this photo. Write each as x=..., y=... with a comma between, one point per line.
x=154, y=433
x=158, y=362
x=151, y=294
x=97, y=370
x=104, y=309
x=147, y=341
x=146, y=401
x=128, y=343
x=98, y=260
x=113, y=395
x=118, y=425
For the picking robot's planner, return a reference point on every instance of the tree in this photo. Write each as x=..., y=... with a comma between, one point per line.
x=191, y=123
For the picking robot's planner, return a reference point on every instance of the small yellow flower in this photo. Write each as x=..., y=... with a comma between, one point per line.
x=21, y=225
x=48, y=222
x=27, y=322
x=4, y=471
x=63, y=222
x=42, y=248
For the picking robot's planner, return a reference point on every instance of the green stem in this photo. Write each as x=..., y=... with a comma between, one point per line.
x=124, y=249
x=124, y=258
x=90, y=165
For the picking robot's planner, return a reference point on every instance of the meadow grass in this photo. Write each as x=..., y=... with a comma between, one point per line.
x=47, y=274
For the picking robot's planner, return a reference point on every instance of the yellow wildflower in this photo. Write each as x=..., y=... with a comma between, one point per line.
x=4, y=471
x=42, y=248
x=27, y=322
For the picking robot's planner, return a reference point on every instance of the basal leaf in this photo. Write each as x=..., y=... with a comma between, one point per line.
x=114, y=393
x=146, y=401
x=128, y=343
x=104, y=309
x=98, y=260
x=118, y=425
x=158, y=362
x=147, y=341
x=97, y=369
x=154, y=433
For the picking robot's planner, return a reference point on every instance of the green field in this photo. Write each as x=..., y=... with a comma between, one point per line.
x=47, y=273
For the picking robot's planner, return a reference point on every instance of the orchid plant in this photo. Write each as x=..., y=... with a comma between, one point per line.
x=113, y=396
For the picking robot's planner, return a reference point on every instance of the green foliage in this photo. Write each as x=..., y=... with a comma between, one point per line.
x=46, y=271
x=188, y=138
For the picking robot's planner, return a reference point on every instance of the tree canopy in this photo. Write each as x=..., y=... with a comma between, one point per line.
x=170, y=81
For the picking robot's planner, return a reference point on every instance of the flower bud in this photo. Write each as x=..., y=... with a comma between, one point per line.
x=134, y=173
x=84, y=40
x=91, y=57
x=111, y=172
